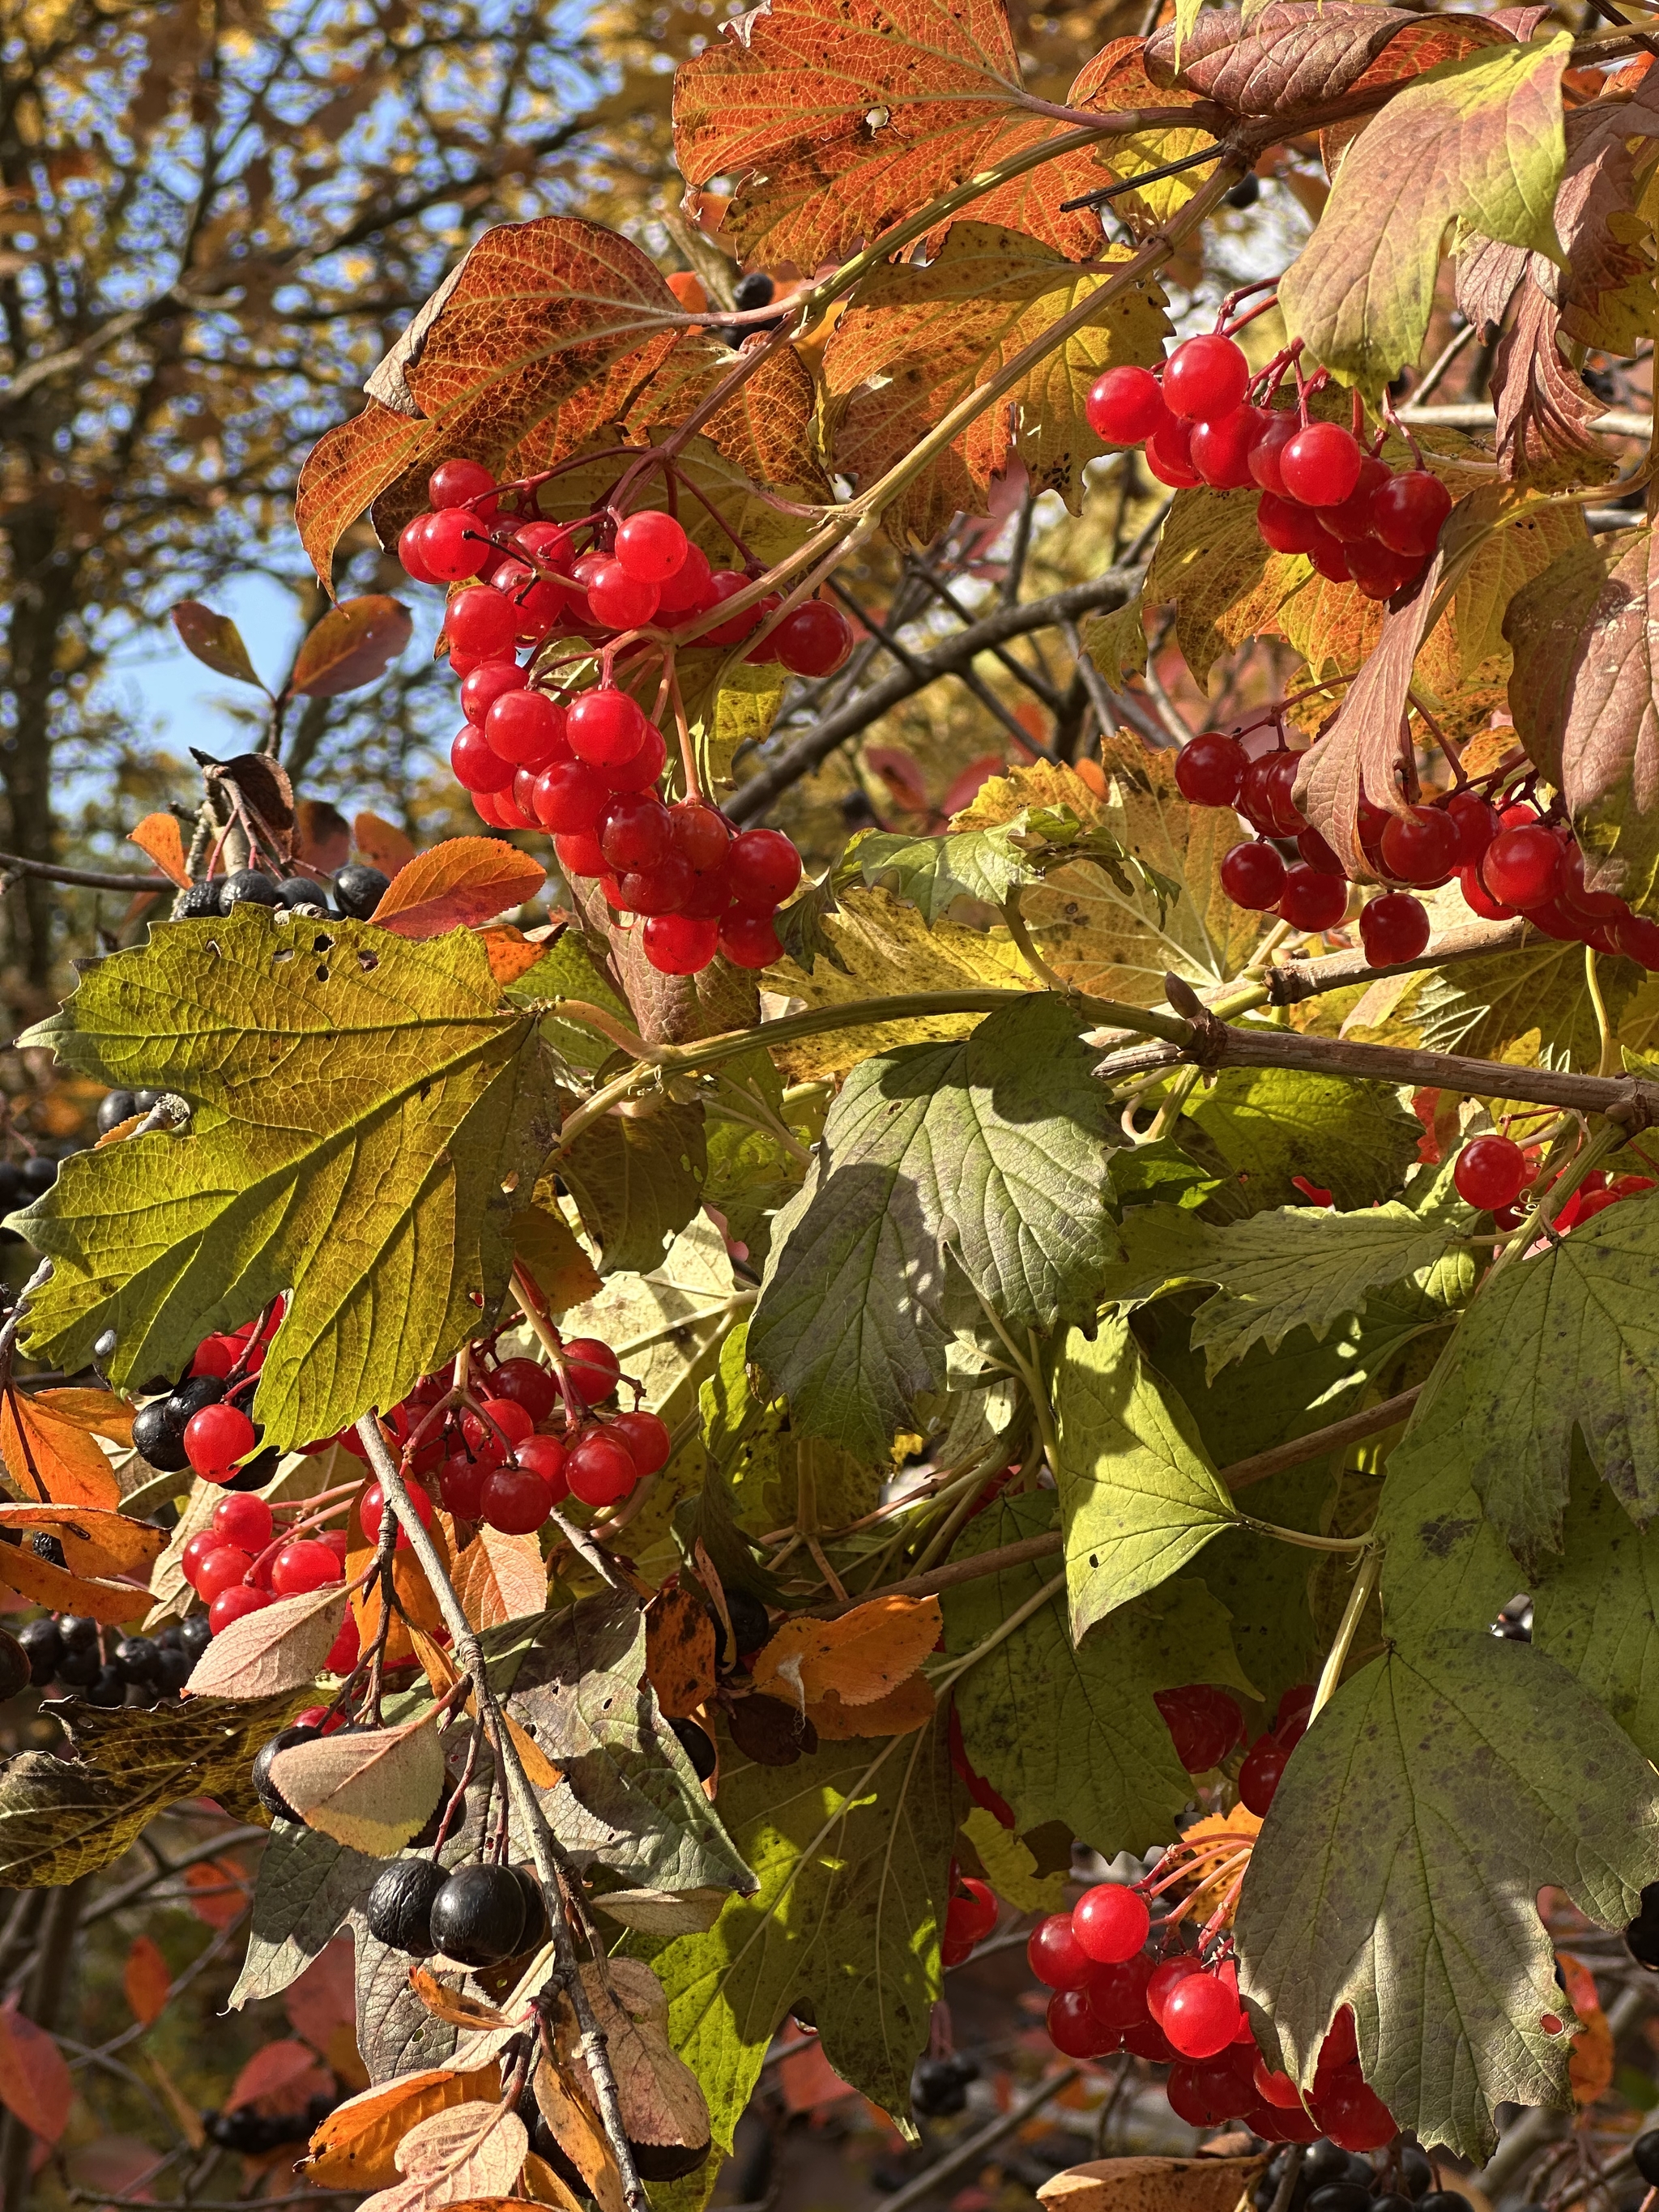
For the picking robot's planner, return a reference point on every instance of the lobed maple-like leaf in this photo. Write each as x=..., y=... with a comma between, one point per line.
x=839, y=117
x=915, y=340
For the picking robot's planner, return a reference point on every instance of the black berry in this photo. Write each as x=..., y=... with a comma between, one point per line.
x=45, y=1545
x=79, y=1669
x=358, y=889
x=78, y=1630
x=697, y=1745
x=750, y=1625
x=269, y=1794
x=107, y=1688
x=39, y=1174
x=300, y=891
x=117, y=1106
x=194, y=1635
x=253, y=885
x=137, y=1657
x=44, y=1646
x=399, y=1908
x=478, y=1917
x=17, y=1668
x=198, y=900
x=667, y=2162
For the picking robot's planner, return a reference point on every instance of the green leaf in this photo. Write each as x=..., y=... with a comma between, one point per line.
x=1532, y=1007
x=1477, y=141
x=933, y=872
x=568, y=970
x=1068, y=1733
x=752, y=1171
x=982, y=1159
x=1264, y=1126
x=852, y=1850
x=1567, y=1340
x=60, y=1818
x=637, y=1181
x=1138, y=1495
x=307, y=1887
x=1299, y=1267
x=1116, y=643
x=1597, y=1609
x=1399, y=1868
x=357, y=1102
x=629, y=1797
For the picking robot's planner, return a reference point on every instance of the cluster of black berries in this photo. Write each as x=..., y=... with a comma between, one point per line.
x=1332, y=2179
x=251, y=2132
x=69, y=1656
x=356, y=891
x=479, y=1916
x=938, y=2087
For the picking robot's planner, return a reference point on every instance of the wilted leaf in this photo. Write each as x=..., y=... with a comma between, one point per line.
x=545, y=1243
x=679, y=1651
x=215, y=641
x=370, y=1788
x=861, y=1657
x=355, y=2147
x=663, y=1911
x=577, y=2131
x=1277, y=60
x=454, y=2007
x=464, y=880
x=1152, y=2185
x=1545, y=408
x=159, y=836
x=389, y=1081
x=35, y=2082
x=95, y=1541
x=662, y=2101
x=282, y=1647
x=110, y=1603
x=146, y=1978
x=912, y=1705
x=353, y=643
x=466, y=2152
x=48, y=1435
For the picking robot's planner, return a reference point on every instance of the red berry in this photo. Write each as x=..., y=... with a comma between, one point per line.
x=1220, y=451
x=1476, y=823
x=750, y=940
x=303, y=1566
x=678, y=945
x=1490, y=1172
x=217, y=1355
x=529, y=1383
x=1110, y=1923
x=593, y=1368
x=460, y=1485
x=221, y=1569
x=487, y=682
x=216, y=1439
x=1637, y=938
x=688, y=588
x=1200, y=2015
x=1055, y=1956
x=538, y=604
x=603, y=727
x=813, y=639
x=412, y=550
x=545, y=1456
x=600, y=1468
x=1317, y=853
x=578, y=854
x=616, y=600
x=527, y=728
x=661, y=889
x=726, y=584
x=763, y=867
x=1408, y=513
x=1330, y=558
x=454, y=545
x=570, y=797
x=245, y=1519
x=478, y=767
x=636, y=832
x=1480, y=900
x=1353, y=2115
x=1268, y=451
x=1258, y=1778
x=481, y=622
x=1073, y=2028
x=453, y=484
x=1117, y=1992
x=1594, y=906
x=1393, y=928
x=1253, y=876
x=640, y=774
x=1320, y=464
x=1522, y=868
x=646, y=1438
x=513, y=1421
x=972, y=1914
x=1378, y=572
x=371, y=1511
x=651, y=547
x=234, y=1604
x=198, y=1548
x=1125, y=406
x=344, y=1651
x=1204, y=1724
x=1311, y=899
x=1286, y=526
x=1204, y=378
x=1273, y=2087
x=1352, y=517
x=1204, y=2093
x=515, y=1500
x=1166, y=1978
x=1147, y=2040
x=1208, y=769
x=1419, y=848
x=1170, y=455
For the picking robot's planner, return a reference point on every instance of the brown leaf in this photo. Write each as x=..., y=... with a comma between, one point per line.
x=541, y=335
x=662, y=2100
x=215, y=640
x=46, y=1443
x=414, y=1595
x=463, y=881
x=95, y=1541
x=353, y=644
x=679, y=1652
x=499, y=1578
x=280, y=1648
x=910, y=1705
x=838, y=120
x=368, y=1787
x=441, y=1672
x=1607, y=244
x=1545, y=408
x=861, y=1657
x=1488, y=272
x=382, y=844
x=147, y=1980
x=160, y=837
x=1585, y=703
x=1289, y=58
x=264, y=786
x=664, y=1911
x=1153, y=2184
x=577, y=2131
x=355, y=2146
x=766, y=427
x=769, y=1731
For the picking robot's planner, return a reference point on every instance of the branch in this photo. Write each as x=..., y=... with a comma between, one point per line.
x=14, y=864
x=557, y=1877
x=1291, y=981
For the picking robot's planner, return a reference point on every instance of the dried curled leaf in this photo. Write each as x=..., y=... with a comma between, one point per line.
x=662, y=2100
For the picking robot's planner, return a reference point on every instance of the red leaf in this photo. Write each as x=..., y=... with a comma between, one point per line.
x=898, y=771
x=382, y=844
x=462, y=881
x=35, y=2082
x=147, y=1980
x=275, y=2075
x=353, y=644
x=215, y=640
x=323, y=1999
x=1291, y=58
x=218, y=1891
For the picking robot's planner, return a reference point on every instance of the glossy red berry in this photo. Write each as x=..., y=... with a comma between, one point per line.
x=1110, y=1923
x=1317, y=853
x=651, y=547
x=527, y=728
x=515, y=1500
x=972, y=1914
x=1273, y=2087
x=1393, y=928
x=1055, y=1956
x=545, y=1456
x=1074, y=2027
x=371, y=1511
x=1125, y=406
x=1522, y=868
x=634, y=830
x=497, y=1418
x=593, y=1368
x=1117, y=1992
x=245, y=1519
x=1351, y=517
x=1220, y=450
x=411, y=544
x=750, y=940
x=235, y=1604
x=1312, y=900
x=1282, y=425
x=1421, y=846
x=1320, y=465
x=216, y=1439
x=1637, y=938
x=453, y=483
x=460, y=1485
x=483, y=685
x=1253, y=876
x=1409, y=512
x=763, y=867
x=224, y=1566
x=1200, y=2015
x=1353, y=2115
x=678, y=945
x=1208, y=769
x=1258, y=1778
x=1204, y=378
x=813, y=639
x=529, y=1383
x=616, y=600
x=726, y=584
x=643, y=772
x=1490, y=1172
x=1204, y=1724
x=602, y=727
x=646, y=1438
x=688, y=588
x=453, y=545
x=1476, y=823
x=1170, y=455
x=600, y=1468
x=217, y=1355
x=1329, y=556
x=480, y=622
x=659, y=890
x=1166, y=1977
x=304, y=1565
x=1378, y=572
x=570, y=797
x=1286, y=525
x=1480, y=900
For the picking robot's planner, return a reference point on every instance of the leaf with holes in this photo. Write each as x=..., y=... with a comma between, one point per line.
x=358, y=1103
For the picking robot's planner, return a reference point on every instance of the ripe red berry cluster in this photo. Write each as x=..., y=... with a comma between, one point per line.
x=970, y=1918
x=1357, y=520
x=1269, y=1756
x=588, y=766
x=1509, y=861
x=1492, y=1172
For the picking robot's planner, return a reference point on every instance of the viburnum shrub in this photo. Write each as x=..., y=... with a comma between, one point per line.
x=960, y=1291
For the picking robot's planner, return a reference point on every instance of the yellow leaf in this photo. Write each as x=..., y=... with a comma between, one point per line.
x=861, y=1657
x=909, y=1705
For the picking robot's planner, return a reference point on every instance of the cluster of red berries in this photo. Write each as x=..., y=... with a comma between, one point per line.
x=1509, y=860
x=243, y=1560
x=1357, y=520
x=1205, y=1725
x=1116, y=1991
x=1491, y=1172
x=588, y=766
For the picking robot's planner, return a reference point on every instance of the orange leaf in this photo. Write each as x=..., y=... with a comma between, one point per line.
x=510, y=952
x=861, y=1657
x=38, y=1437
x=382, y=844
x=464, y=880
x=679, y=1652
x=1590, y=2064
x=499, y=1578
x=218, y=1891
x=273, y=2075
x=454, y=2007
x=909, y=1705
x=409, y=1580
x=158, y=835
x=355, y=2147
x=147, y=1978
x=110, y=1602
x=353, y=644
x=35, y=2082
x=95, y=1541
